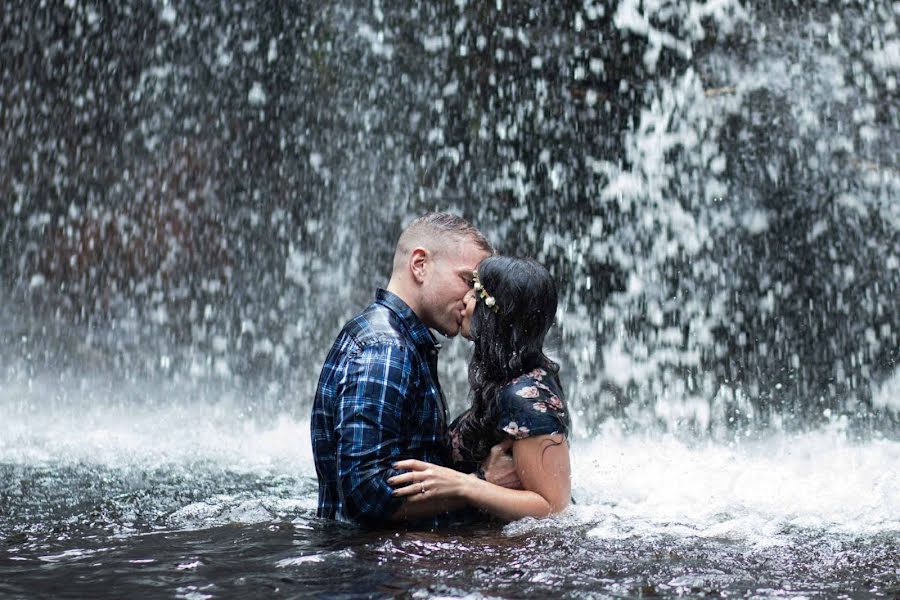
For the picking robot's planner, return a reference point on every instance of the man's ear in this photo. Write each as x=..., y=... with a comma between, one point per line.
x=420, y=264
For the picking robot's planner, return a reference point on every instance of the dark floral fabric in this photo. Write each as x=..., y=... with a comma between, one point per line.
x=532, y=405
x=529, y=405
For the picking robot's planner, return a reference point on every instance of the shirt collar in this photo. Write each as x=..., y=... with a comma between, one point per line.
x=419, y=333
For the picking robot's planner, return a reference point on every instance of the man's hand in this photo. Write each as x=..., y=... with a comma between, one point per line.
x=499, y=467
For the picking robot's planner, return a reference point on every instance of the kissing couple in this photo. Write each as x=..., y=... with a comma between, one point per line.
x=385, y=451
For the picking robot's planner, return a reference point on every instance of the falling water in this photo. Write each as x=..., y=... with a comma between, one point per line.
x=198, y=196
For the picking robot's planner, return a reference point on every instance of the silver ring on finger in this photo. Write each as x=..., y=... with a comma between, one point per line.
x=422, y=486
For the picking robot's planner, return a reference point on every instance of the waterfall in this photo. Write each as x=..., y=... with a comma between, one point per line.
x=201, y=195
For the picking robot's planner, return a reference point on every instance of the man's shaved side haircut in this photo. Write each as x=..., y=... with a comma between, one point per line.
x=437, y=231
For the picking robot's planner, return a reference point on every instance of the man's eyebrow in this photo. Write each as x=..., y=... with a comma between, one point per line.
x=466, y=276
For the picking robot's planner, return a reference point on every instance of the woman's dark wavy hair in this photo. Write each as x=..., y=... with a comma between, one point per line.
x=508, y=342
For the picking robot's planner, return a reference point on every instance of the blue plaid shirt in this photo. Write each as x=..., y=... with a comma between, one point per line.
x=378, y=401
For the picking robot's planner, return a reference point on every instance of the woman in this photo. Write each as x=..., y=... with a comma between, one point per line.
x=516, y=396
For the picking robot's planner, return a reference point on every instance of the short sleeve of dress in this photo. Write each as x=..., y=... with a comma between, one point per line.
x=532, y=405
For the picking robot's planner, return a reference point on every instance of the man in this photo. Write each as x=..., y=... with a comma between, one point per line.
x=378, y=399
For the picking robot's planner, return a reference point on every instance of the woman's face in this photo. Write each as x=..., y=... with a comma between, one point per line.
x=464, y=327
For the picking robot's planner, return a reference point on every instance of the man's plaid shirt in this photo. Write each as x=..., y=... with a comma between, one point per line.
x=378, y=401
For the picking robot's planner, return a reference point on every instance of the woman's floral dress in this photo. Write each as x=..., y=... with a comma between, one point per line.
x=529, y=405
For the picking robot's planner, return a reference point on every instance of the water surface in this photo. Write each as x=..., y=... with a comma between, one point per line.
x=191, y=500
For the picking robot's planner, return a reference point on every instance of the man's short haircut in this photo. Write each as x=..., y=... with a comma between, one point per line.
x=436, y=231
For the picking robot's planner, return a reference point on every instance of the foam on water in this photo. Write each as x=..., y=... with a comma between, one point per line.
x=759, y=491
x=85, y=429
x=157, y=437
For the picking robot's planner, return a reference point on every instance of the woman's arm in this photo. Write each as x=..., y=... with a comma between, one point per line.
x=499, y=468
x=542, y=463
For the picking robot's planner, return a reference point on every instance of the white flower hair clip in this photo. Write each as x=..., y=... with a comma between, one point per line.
x=488, y=299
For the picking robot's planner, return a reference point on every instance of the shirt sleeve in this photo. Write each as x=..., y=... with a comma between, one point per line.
x=369, y=428
x=529, y=408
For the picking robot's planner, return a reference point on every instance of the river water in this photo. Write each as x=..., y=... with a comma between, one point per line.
x=165, y=496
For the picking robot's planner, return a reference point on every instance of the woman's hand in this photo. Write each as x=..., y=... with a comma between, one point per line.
x=430, y=480
x=499, y=467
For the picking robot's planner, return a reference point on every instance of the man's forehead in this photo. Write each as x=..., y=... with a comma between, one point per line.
x=469, y=256
x=459, y=254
